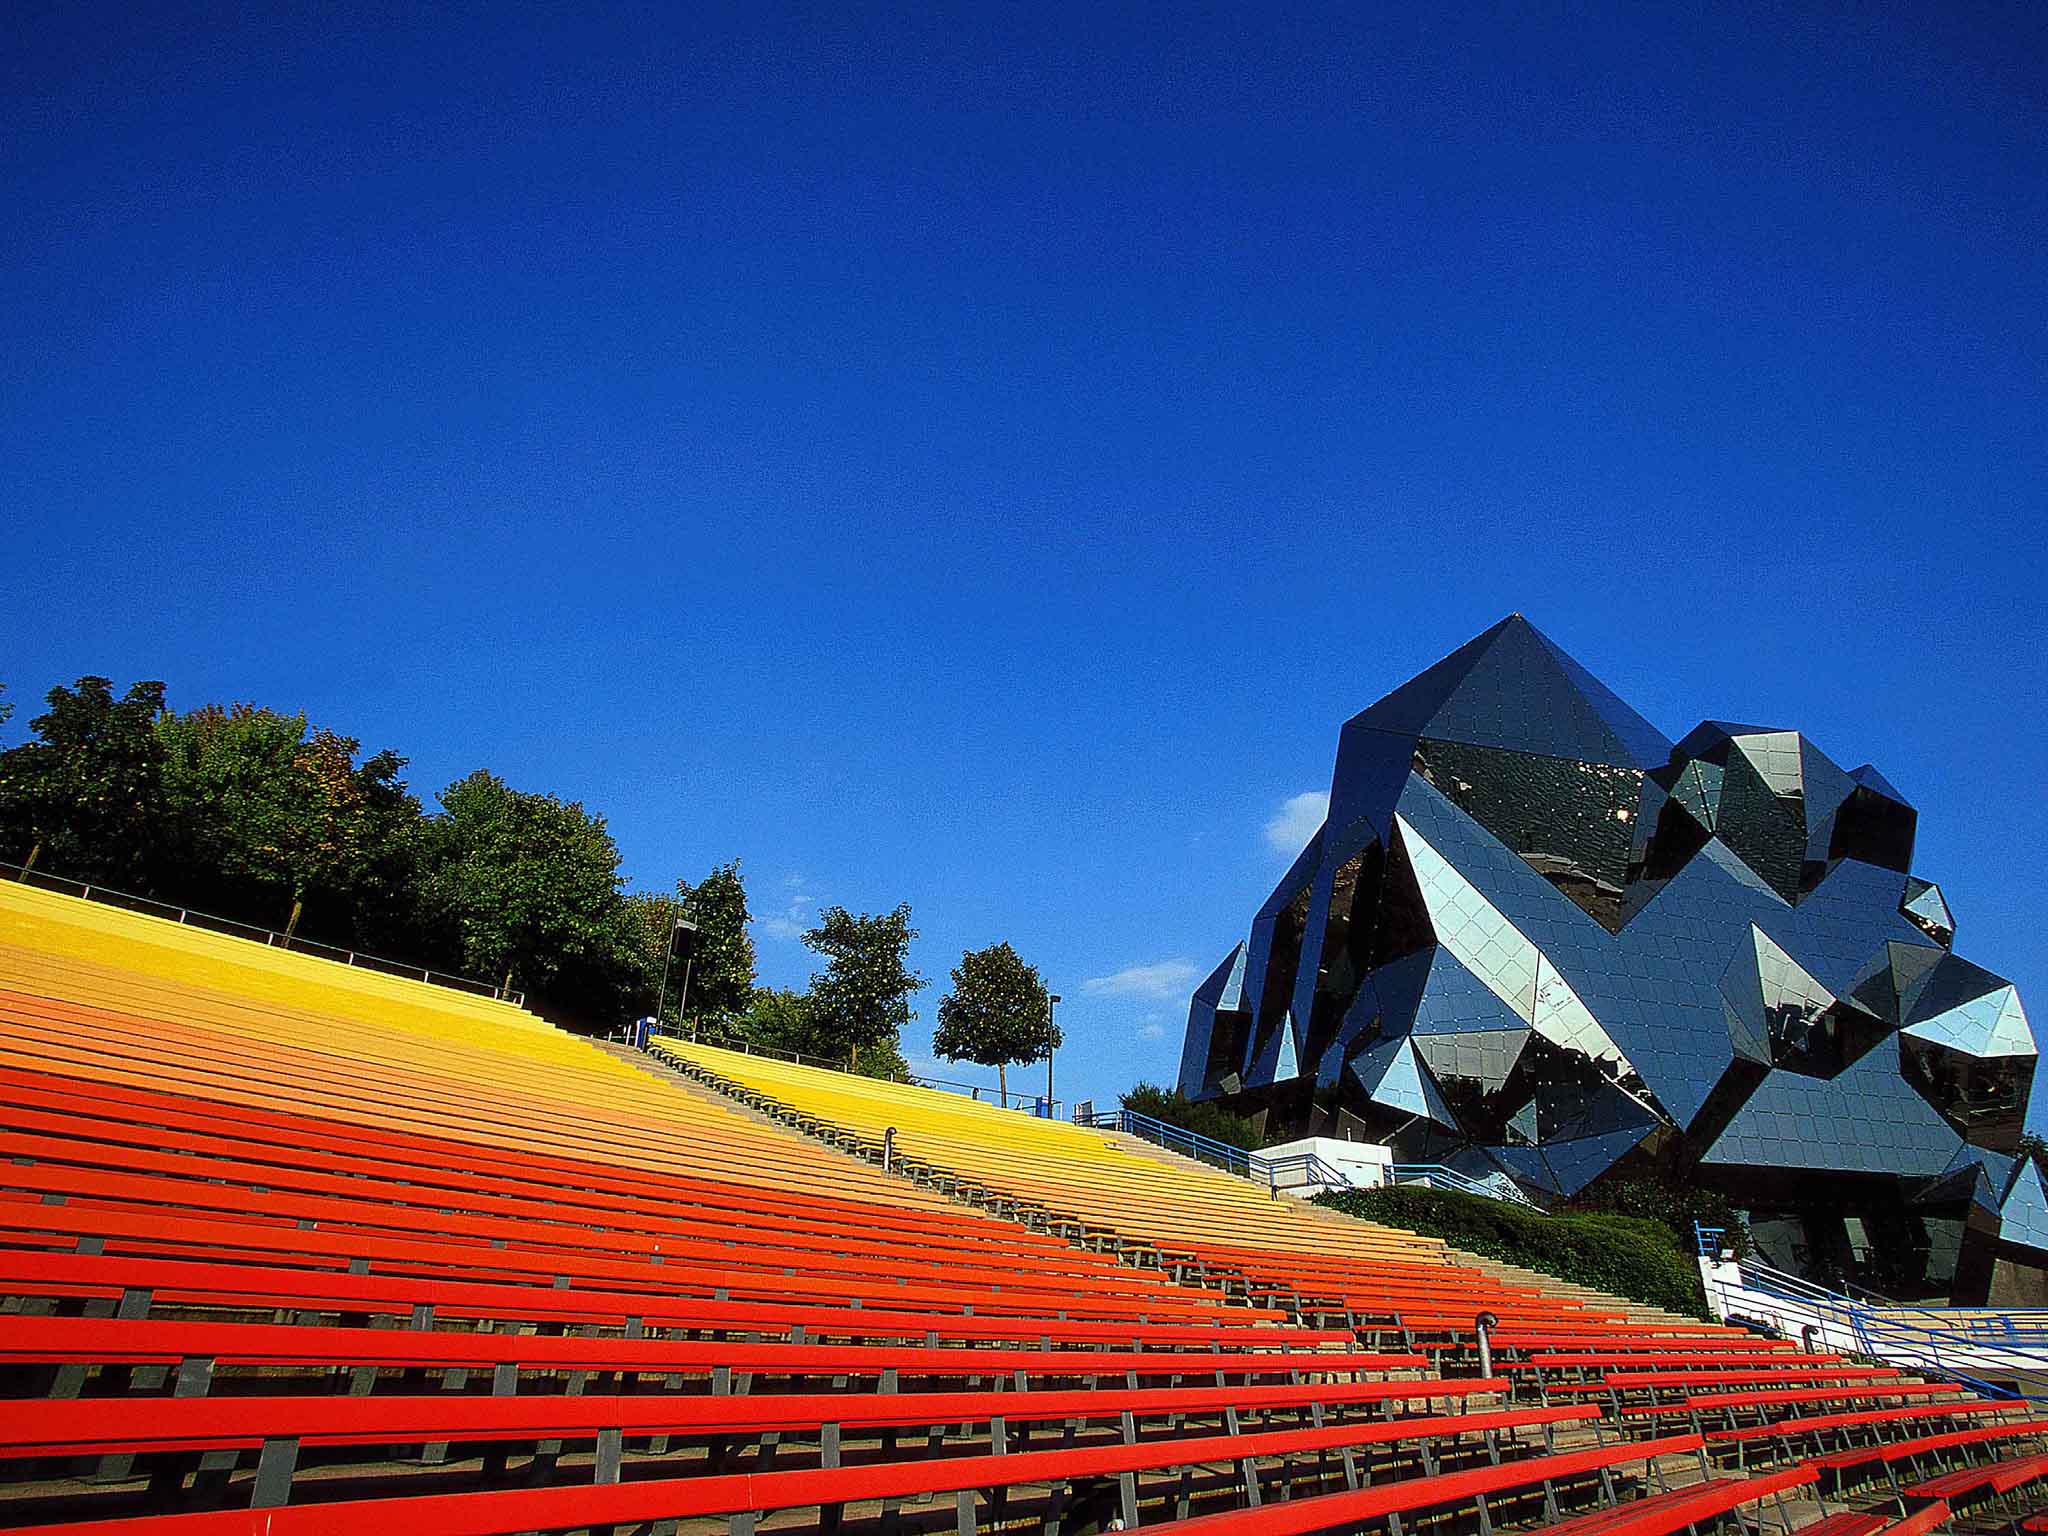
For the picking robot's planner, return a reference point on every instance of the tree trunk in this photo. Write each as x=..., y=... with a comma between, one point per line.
x=853, y=1058
x=505, y=991
x=33, y=854
x=1003, y=1084
x=292, y=923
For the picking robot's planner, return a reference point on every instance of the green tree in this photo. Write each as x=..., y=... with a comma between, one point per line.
x=383, y=905
x=863, y=994
x=997, y=1014
x=1199, y=1116
x=644, y=919
x=526, y=887
x=780, y=1018
x=6, y=708
x=722, y=969
x=276, y=814
x=84, y=794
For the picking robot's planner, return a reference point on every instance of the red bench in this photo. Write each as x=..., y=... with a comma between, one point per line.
x=1734, y=1400
x=68, y=1340
x=96, y=1426
x=494, y=1512
x=1991, y=1477
x=1663, y=1513
x=1927, y=1518
x=134, y=1284
x=1624, y=1380
x=1817, y=1424
x=1671, y=1359
x=189, y=1235
x=90, y=1108
x=1326, y=1511
x=60, y=1162
x=1902, y=1450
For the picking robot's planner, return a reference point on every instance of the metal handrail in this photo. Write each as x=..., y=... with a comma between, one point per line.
x=1924, y=1338
x=1438, y=1176
x=1174, y=1138
x=270, y=937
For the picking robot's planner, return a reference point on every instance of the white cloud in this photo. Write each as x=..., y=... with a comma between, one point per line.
x=795, y=916
x=1161, y=979
x=1152, y=1027
x=1296, y=821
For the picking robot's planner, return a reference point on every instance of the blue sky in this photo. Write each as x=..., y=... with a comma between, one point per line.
x=978, y=457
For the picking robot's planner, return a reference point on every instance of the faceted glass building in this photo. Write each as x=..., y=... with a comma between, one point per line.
x=1540, y=942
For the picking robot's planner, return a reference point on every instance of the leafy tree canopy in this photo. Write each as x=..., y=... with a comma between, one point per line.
x=998, y=1013
x=83, y=795
x=526, y=885
x=722, y=971
x=863, y=993
x=1201, y=1117
x=277, y=811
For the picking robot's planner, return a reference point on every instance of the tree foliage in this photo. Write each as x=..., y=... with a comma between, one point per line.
x=1204, y=1119
x=998, y=1013
x=278, y=812
x=84, y=794
x=722, y=970
x=862, y=996
x=525, y=886
x=266, y=818
x=778, y=1018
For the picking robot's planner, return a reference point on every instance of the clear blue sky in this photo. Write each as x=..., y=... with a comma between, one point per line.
x=978, y=457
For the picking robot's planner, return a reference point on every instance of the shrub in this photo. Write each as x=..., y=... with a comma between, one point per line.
x=1630, y=1256
x=1674, y=1207
x=1176, y=1108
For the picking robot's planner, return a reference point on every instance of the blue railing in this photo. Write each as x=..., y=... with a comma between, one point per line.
x=1437, y=1176
x=1174, y=1138
x=1966, y=1344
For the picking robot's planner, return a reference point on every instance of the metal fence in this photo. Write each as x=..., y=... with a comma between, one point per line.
x=2000, y=1351
x=269, y=937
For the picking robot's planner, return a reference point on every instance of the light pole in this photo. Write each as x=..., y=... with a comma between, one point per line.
x=1050, y=999
x=680, y=925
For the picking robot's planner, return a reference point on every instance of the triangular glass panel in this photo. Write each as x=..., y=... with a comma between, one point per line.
x=1926, y=908
x=2023, y=1218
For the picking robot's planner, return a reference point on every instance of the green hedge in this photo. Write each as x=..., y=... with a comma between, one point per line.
x=1629, y=1256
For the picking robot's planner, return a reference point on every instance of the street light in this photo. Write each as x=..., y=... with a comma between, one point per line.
x=680, y=926
x=1050, y=999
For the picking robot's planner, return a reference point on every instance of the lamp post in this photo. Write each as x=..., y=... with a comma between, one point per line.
x=680, y=925
x=1050, y=999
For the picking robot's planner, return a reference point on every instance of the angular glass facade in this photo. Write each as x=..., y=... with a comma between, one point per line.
x=1538, y=940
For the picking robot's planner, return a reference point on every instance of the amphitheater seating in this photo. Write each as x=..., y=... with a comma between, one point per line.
x=291, y=1246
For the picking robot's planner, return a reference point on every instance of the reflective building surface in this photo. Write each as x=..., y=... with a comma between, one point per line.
x=1537, y=940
